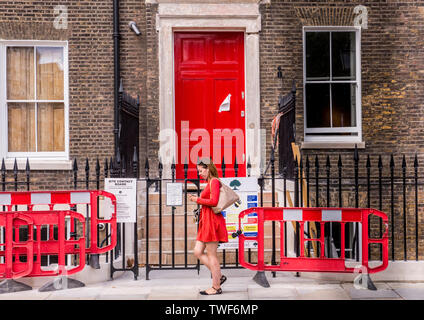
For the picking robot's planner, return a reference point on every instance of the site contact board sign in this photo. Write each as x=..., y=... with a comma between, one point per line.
x=247, y=189
x=125, y=191
x=174, y=194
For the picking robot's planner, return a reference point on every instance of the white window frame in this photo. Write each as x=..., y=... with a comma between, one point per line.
x=358, y=129
x=45, y=156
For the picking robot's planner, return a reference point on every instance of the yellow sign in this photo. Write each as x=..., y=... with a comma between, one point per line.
x=250, y=228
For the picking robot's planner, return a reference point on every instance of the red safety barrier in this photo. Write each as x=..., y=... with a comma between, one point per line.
x=11, y=269
x=22, y=257
x=31, y=249
x=320, y=216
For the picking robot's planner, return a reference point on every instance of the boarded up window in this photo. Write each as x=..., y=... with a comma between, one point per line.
x=35, y=99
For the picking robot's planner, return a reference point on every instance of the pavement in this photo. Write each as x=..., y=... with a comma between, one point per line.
x=186, y=284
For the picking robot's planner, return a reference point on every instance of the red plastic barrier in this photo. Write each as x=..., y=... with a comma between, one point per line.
x=10, y=269
x=32, y=249
x=21, y=258
x=320, y=216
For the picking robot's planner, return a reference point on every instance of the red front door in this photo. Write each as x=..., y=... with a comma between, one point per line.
x=209, y=100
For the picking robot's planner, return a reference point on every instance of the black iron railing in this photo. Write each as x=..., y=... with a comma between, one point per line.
x=320, y=180
x=390, y=183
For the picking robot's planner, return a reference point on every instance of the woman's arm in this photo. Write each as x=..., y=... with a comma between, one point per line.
x=213, y=200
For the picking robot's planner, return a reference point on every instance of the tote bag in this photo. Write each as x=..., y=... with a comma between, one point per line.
x=227, y=197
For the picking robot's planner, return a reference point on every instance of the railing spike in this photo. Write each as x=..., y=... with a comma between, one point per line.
x=173, y=166
x=356, y=154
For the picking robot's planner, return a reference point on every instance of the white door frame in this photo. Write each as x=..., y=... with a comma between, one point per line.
x=202, y=17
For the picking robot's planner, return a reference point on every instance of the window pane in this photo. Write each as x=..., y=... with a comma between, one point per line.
x=318, y=105
x=20, y=73
x=343, y=55
x=21, y=127
x=344, y=104
x=49, y=73
x=51, y=127
x=317, y=55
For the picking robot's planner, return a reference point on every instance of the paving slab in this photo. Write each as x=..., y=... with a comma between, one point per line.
x=234, y=287
x=123, y=297
x=258, y=292
x=172, y=293
x=306, y=286
x=383, y=291
x=290, y=278
x=239, y=286
x=414, y=285
x=409, y=291
x=25, y=295
x=323, y=294
x=126, y=291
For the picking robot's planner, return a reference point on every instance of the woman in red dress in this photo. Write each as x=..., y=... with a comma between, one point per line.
x=212, y=228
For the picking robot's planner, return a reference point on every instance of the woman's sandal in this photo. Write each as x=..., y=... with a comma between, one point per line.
x=223, y=279
x=217, y=291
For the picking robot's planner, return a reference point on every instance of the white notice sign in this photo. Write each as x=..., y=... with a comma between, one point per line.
x=247, y=189
x=125, y=191
x=174, y=194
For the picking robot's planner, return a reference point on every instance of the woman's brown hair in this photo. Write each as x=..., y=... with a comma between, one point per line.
x=207, y=163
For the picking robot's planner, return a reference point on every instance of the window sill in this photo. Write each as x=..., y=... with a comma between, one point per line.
x=39, y=164
x=332, y=145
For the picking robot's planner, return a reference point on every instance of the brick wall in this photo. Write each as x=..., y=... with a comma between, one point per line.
x=392, y=72
x=392, y=58
x=91, y=69
x=392, y=97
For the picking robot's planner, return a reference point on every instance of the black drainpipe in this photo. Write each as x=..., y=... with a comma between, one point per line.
x=117, y=71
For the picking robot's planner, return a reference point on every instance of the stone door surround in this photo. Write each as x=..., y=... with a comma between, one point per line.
x=211, y=17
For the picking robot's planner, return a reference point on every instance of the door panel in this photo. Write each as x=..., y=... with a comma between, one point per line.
x=209, y=66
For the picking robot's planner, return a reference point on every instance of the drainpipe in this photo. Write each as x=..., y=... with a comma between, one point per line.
x=117, y=71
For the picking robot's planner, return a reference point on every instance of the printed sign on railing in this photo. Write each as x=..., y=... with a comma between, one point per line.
x=247, y=189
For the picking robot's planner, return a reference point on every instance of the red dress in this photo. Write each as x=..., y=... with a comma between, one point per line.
x=212, y=226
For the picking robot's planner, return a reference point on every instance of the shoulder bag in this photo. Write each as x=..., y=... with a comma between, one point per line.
x=227, y=197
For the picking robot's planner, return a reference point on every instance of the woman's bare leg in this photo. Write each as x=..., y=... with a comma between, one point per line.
x=214, y=266
x=199, y=252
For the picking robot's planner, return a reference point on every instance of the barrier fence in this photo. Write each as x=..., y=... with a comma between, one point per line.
x=73, y=231
x=345, y=180
x=311, y=222
x=76, y=179
x=388, y=183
